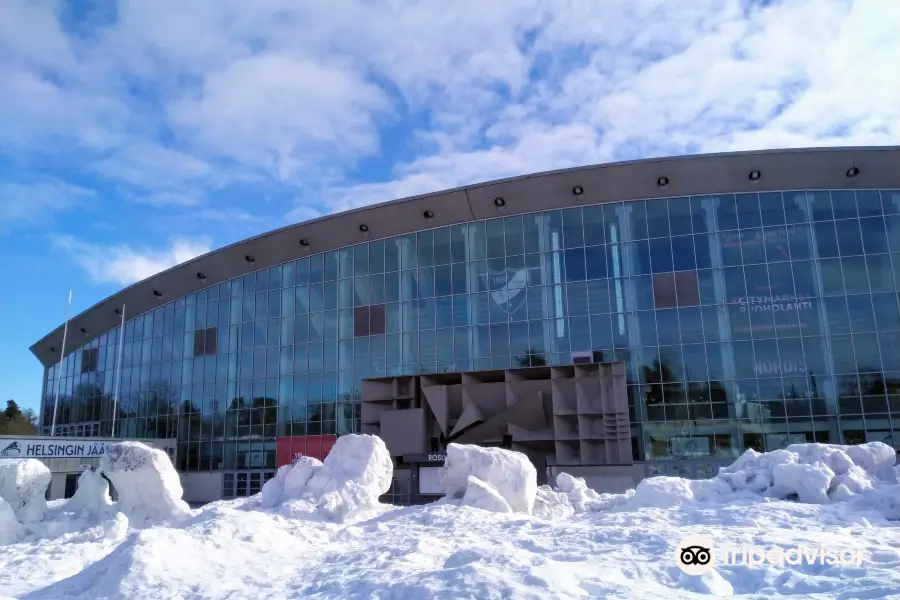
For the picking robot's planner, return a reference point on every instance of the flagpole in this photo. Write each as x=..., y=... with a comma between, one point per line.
x=62, y=355
x=118, y=373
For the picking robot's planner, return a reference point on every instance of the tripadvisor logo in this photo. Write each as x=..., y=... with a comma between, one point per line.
x=697, y=554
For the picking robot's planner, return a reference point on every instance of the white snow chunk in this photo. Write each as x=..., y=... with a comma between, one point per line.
x=812, y=471
x=10, y=528
x=147, y=483
x=840, y=494
x=663, y=492
x=273, y=490
x=711, y=490
x=579, y=494
x=301, y=472
x=23, y=484
x=356, y=472
x=855, y=480
x=480, y=494
x=551, y=505
x=92, y=495
x=876, y=458
x=809, y=482
x=508, y=472
x=289, y=482
x=568, y=483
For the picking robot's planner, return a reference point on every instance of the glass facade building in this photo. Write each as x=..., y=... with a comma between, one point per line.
x=749, y=320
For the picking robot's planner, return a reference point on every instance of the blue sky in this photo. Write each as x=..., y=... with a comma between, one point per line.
x=137, y=134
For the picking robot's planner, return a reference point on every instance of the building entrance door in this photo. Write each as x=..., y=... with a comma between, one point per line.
x=240, y=484
x=71, y=484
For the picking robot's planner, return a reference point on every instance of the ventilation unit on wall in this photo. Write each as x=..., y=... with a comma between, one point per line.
x=582, y=357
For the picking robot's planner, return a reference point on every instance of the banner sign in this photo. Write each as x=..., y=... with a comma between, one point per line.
x=52, y=448
x=779, y=367
x=783, y=302
x=289, y=449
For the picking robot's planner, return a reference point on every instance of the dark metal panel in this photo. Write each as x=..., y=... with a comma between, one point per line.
x=821, y=168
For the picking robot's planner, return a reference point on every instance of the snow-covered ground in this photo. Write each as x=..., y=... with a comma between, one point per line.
x=321, y=533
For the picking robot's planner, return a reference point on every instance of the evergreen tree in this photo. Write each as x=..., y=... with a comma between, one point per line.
x=12, y=410
x=14, y=422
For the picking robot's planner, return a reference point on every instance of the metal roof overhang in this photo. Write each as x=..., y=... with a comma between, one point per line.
x=815, y=168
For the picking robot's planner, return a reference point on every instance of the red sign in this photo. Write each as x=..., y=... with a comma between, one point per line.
x=289, y=449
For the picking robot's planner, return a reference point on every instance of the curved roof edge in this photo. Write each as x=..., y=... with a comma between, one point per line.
x=796, y=168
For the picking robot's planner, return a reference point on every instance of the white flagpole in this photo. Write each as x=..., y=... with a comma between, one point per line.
x=118, y=373
x=62, y=355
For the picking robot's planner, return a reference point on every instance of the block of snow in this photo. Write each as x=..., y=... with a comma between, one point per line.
x=480, y=494
x=855, y=480
x=840, y=494
x=551, y=505
x=508, y=472
x=567, y=483
x=273, y=490
x=711, y=490
x=301, y=472
x=356, y=472
x=147, y=483
x=875, y=458
x=580, y=496
x=92, y=495
x=289, y=482
x=809, y=482
x=663, y=492
x=23, y=484
x=10, y=528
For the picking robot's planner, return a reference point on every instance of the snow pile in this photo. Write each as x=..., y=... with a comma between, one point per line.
x=92, y=495
x=147, y=483
x=10, y=528
x=577, y=491
x=511, y=474
x=659, y=492
x=289, y=482
x=551, y=505
x=813, y=473
x=23, y=484
x=356, y=472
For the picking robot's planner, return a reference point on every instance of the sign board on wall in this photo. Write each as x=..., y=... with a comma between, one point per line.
x=51, y=448
x=289, y=449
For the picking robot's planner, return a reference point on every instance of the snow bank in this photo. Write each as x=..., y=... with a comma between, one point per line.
x=147, y=483
x=289, y=482
x=23, y=484
x=483, y=495
x=511, y=474
x=10, y=528
x=662, y=492
x=580, y=496
x=813, y=473
x=92, y=495
x=356, y=472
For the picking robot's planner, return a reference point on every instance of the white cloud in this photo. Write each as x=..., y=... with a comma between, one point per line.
x=177, y=101
x=124, y=264
x=37, y=203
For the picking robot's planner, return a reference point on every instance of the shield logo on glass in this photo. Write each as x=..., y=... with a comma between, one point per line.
x=507, y=288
